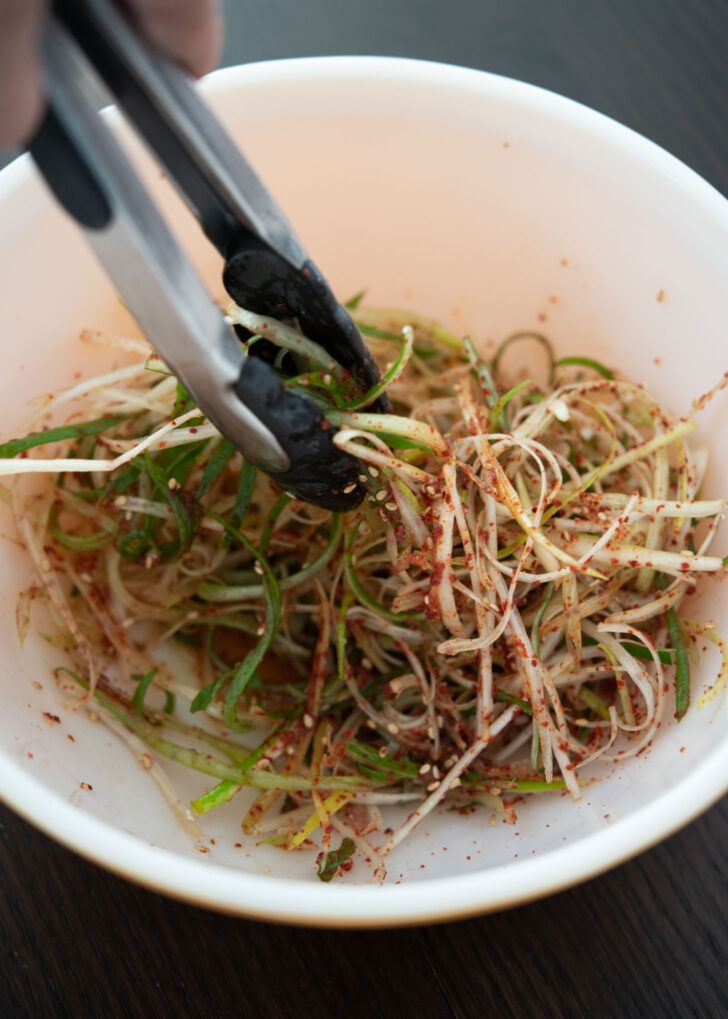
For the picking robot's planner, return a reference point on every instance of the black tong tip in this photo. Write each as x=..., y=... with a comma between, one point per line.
x=321, y=473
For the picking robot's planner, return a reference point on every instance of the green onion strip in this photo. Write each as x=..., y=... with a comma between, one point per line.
x=502, y=609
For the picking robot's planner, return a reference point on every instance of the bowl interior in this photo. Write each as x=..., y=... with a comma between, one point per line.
x=494, y=207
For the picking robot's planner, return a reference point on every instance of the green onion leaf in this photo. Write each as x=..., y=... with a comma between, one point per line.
x=186, y=520
x=242, y=500
x=519, y=338
x=497, y=420
x=682, y=663
x=585, y=362
x=353, y=303
x=205, y=697
x=183, y=401
x=508, y=698
x=245, y=671
x=16, y=446
x=143, y=684
x=332, y=861
x=594, y=702
x=214, y=466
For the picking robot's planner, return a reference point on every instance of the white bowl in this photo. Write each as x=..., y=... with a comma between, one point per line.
x=494, y=206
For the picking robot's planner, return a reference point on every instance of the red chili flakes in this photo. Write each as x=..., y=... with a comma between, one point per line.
x=87, y=786
x=51, y=719
x=660, y=296
x=70, y=738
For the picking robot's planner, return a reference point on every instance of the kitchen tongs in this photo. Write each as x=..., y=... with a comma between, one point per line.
x=266, y=267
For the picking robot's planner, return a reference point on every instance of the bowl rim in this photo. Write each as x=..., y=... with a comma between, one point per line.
x=204, y=883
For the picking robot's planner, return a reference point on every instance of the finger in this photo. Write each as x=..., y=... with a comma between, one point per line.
x=188, y=31
x=21, y=83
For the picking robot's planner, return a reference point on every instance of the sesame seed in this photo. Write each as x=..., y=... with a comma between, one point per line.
x=425, y=768
x=381, y=495
x=308, y=721
x=391, y=727
x=560, y=409
x=433, y=786
x=257, y=568
x=350, y=488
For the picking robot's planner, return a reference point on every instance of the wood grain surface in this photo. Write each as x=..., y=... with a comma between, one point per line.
x=647, y=940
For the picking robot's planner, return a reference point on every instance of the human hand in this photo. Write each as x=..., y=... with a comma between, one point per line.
x=187, y=31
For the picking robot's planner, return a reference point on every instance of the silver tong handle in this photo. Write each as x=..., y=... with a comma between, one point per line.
x=90, y=175
x=211, y=174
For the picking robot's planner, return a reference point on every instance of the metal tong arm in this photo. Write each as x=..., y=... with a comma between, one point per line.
x=212, y=176
x=90, y=175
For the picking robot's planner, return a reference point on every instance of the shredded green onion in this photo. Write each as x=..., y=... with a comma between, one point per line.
x=497, y=615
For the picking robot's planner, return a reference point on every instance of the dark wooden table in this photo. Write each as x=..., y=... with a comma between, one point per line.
x=646, y=940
